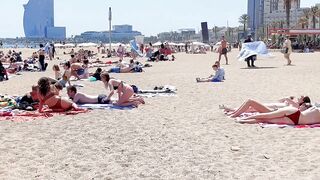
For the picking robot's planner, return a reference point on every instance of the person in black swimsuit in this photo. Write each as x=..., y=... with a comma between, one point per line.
x=43, y=65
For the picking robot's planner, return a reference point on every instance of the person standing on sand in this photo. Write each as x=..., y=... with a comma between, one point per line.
x=41, y=53
x=251, y=58
x=287, y=50
x=223, y=50
x=120, y=52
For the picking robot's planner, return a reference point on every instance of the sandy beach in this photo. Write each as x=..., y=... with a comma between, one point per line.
x=181, y=137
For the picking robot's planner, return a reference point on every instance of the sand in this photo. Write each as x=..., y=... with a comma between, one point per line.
x=182, y=137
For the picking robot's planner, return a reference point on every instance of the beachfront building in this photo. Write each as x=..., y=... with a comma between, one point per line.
x=275, y=13
x=181, y=35
x=38, y=20
x=255, y=13
x=119, y=33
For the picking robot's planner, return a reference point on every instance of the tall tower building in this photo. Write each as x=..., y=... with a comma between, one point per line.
x=255, y=14
x=38, y=20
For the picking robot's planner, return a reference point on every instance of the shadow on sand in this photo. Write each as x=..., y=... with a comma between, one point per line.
x=259, y=68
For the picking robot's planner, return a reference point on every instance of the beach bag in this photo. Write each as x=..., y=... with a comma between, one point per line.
x=138, y=69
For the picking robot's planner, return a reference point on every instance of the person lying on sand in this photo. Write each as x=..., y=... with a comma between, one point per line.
x=97, y=74
x=251, y=105
x=29, y=100
x=126, y=95
x=53, y=101
x=81, y=98
x=218, y=77
x=286, y=115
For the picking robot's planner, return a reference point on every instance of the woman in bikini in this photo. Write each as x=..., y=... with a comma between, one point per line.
x=126, y=95
x=66, y=75
x=251, y=105
x=49, y=98
x=287, y=115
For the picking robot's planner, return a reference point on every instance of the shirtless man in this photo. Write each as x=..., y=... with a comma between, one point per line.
x=73, y=59
x=80, y=71
x=81, y=98
x=223, y=49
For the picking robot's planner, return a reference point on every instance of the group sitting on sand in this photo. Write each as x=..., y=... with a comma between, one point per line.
x=48, y=94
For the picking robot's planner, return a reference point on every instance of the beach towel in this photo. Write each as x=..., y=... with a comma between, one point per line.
x=135, y=48
x=253, y=48
x=151, y=95
x=105, y=106
x=22, y=116
x=265, y=125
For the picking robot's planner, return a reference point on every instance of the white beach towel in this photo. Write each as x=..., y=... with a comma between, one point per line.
x=253, y=48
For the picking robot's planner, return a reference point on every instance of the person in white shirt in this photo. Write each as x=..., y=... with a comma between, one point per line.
x=287, y=50
x=218, y=77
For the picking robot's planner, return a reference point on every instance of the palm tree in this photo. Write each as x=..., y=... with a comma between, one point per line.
x=318, y=15
x=314, y=12
x=287, y=6
x=304, y=21
x=306, y=13
x=243, y=19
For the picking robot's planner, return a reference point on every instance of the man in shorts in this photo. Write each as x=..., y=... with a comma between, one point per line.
x=81, y=98
x=223, y=50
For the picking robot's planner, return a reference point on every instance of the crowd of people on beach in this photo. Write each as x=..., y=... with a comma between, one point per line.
x=46, y=93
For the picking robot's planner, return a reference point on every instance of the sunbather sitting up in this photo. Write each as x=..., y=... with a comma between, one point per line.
x=218, y=77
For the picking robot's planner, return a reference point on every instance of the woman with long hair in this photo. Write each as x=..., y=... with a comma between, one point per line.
x=126, y=95
x=48, y=97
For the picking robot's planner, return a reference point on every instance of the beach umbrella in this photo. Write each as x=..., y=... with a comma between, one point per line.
x=172, y=44
x=198, y=44
x=87, y=45
x=58, y=45
x=69, y=45
x=157, y=44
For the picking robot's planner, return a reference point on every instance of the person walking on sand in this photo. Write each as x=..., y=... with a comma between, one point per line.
x=223, y=50
x=287, y=50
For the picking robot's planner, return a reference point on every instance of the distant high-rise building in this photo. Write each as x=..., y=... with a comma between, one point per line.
x=255, y=14
x=120, y=33
x=38, y=20
x=275, y=13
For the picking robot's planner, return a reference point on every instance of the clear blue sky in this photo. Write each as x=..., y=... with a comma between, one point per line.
x=148, y=16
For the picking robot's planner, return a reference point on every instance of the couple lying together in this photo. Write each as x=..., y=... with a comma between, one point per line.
x=48, y=96
x=288, y=111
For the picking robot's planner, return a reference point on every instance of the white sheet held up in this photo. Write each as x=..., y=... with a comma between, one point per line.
x=253, y=48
